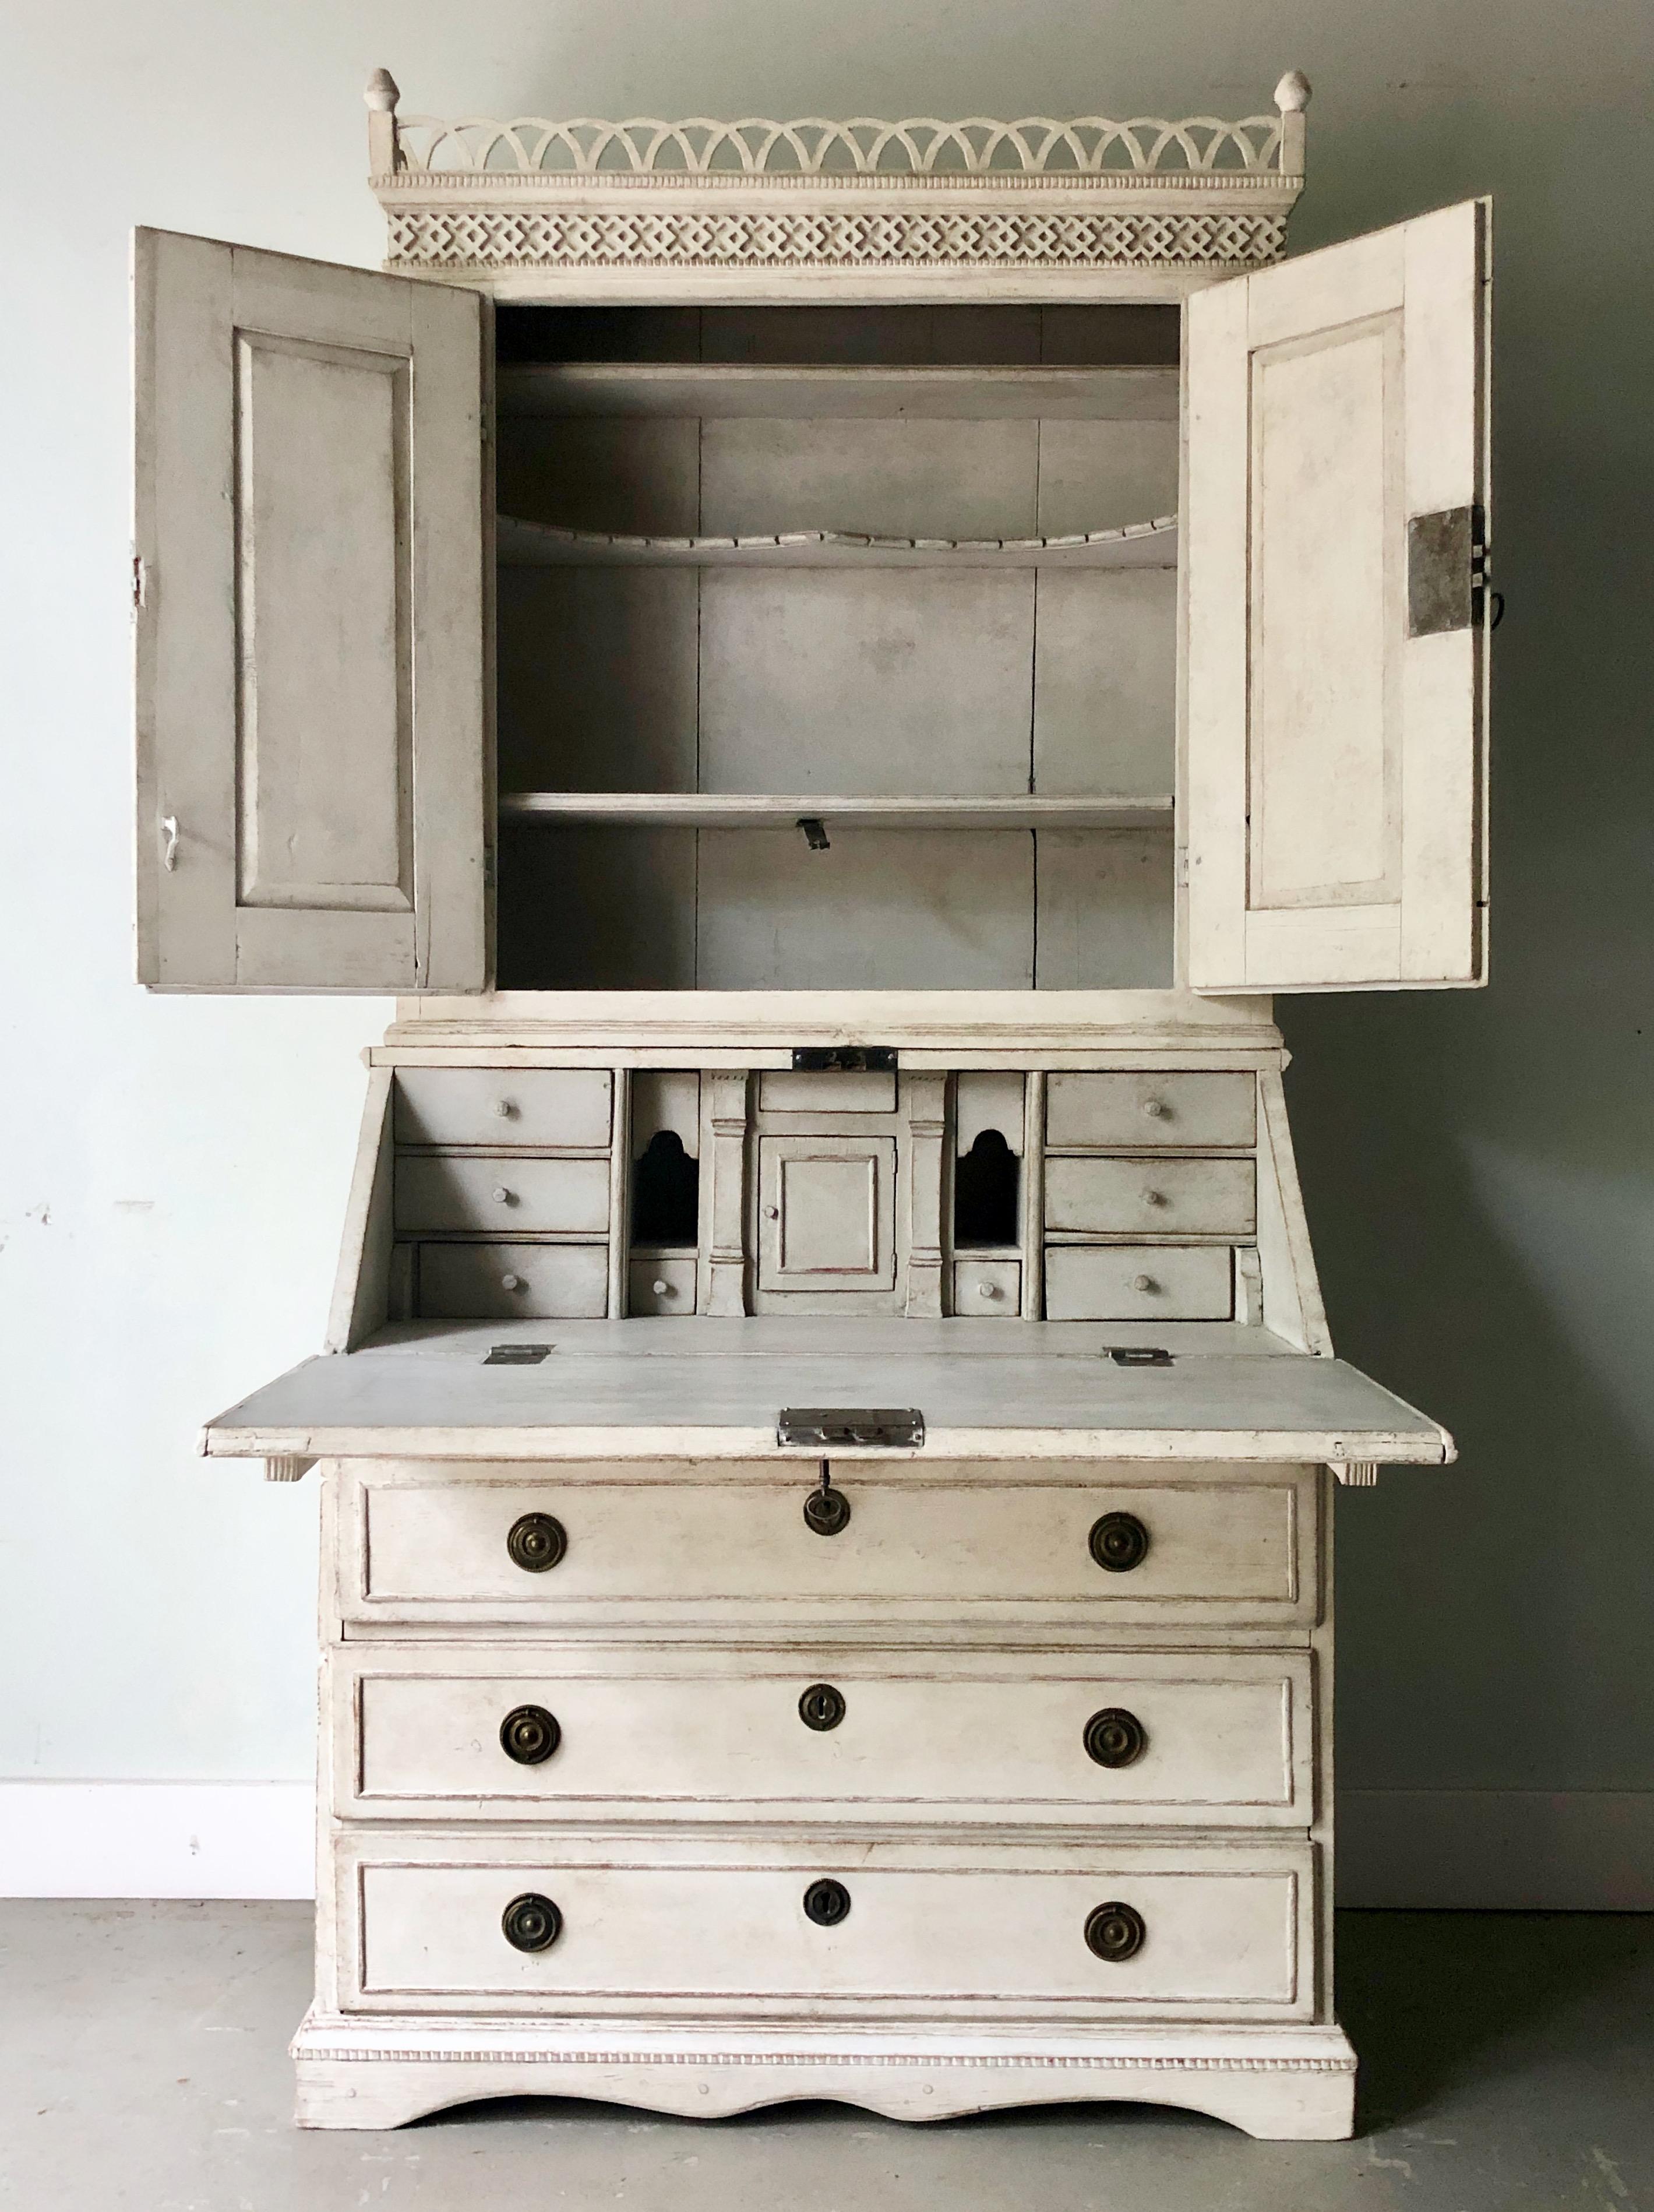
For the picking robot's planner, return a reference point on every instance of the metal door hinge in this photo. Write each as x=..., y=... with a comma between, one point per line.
x=1180, y=868
x=845, y=1059
x=517, y=1355
x=1446, y=570
x=822, y=1428
x=1137, y=1355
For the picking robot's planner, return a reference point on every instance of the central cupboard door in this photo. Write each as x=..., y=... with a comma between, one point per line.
x=826, y=1213
x=311, y=521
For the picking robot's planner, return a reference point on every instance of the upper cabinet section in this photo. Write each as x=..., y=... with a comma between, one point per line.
x=310, y=589
x=1335, y=531
x=835, y=212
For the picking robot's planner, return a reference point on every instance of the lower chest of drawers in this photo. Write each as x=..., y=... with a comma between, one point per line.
x=1030, y=1740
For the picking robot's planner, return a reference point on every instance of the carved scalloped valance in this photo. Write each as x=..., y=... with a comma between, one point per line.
x=864, y=209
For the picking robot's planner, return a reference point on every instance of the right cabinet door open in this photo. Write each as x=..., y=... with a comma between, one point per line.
x=1333, y=784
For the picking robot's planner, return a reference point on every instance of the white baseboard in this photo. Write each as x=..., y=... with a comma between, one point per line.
x=1566, y=1850
x=1579, y=1851
x=157, y=1839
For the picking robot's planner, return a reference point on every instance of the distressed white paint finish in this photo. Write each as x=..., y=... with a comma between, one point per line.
x=986, y=1289
x=544, y=1109
x=377, y=2072
x=695, y=1735
x=1097, y=1195
x=1334, y=771
x=1138, y=1282
x=661, y=1285
x=654, y=1929
x=511, y=1282
x=1226, y=1545
x=310, y=702
x=826, y=1207
x=508, y=1195
x=1116, y=1111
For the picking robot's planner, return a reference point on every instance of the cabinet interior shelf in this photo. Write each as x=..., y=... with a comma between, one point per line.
x=546, y=545
x=745, y=810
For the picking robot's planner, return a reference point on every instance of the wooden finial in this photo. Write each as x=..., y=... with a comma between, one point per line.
x=1291, y=97
x=381, y=94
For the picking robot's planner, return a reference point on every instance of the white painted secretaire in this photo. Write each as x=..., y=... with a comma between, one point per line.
x=831, y=669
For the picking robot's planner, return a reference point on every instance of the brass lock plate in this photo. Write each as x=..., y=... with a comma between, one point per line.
x=830, y=1428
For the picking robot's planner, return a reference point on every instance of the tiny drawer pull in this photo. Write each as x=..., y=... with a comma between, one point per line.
x=1115, y=1931
x=1144, y=1283
x=1115, y=1737
x=827, y=1903
x=1153, y=1198
x=772, y=1213
x=827, y=1511
x=987, y=1290
x=1155, y=1109
x=501, y=1195
x=660, y=1287
x=1118, y=1542
x=536, y=1543
x=530, y=1735
x=504, y=1110
x=511, y=1282
x=821, y=1707
x=532, y=1922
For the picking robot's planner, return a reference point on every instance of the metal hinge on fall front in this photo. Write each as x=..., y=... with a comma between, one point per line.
x=830, y=1428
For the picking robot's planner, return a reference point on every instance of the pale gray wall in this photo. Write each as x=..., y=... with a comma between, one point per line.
x=1477, y=1165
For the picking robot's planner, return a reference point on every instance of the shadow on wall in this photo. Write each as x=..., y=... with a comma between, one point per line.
x=1477, y=1166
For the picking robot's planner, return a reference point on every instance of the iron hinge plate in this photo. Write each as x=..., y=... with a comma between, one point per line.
x=1446, y=570
x=517, y=1355
x=830, y=1428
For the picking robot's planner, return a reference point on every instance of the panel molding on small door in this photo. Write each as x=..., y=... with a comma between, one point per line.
x=826, y=1213
x=1333, y=778
x=309, y=659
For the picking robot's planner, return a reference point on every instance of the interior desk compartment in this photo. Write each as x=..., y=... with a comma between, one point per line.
x=558, y=1109
x=1118, y=1110
x=1135, y=1197
x=459, y=1192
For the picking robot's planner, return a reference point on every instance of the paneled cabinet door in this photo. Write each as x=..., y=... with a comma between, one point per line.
x=1335, y=517
x=310, y=595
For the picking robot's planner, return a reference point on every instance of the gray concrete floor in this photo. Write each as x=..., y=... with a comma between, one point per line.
x=1508, y=2062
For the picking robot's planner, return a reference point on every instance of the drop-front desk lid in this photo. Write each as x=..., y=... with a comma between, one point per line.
x=716, y=1389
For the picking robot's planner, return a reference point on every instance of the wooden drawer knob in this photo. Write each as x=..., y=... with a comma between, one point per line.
x=531, y=1923
x=1115, y=1932
x=827, y=1903
x=661, y=1288
x=1118, y=1542
x=530, y=1735
x=501, y=1195
x=1153, y=1198
x=987, y=1290
x=1144, y=1283
x=536, y=1543
x=1155, y=1109
x=504, y=1108
x=1115, y=1737
x=821, y=1707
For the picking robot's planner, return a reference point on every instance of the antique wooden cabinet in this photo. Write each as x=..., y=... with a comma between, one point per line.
x=831, y=670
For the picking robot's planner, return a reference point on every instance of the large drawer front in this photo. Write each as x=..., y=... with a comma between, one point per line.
x=1208, y=1739
x=1100, y=1196
x=1121, y=1109
x=565, y=1108
x=1221, y=1544
x=437, y=1192
x=1222, y=1932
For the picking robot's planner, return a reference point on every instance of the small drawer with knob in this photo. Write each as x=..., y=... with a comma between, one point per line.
x=662, y=1286
x=554, y=1108
x=1163, y=1739
x=987, y=1287
x=1139, y=1282
x=1130, y=1108
x=511, y=1282
x=770, y=1925
x=460, y=1193
x=706, y=1548
x=1093, y=1196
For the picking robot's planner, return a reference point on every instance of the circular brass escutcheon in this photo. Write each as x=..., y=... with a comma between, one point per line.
x=531, y=1923
x=529, y=1734
x=1118, y=1542
x=827, y=1903
x=1115, y=1737
x=827, y=1511
x=821, y=1707
x=1115, y=1932
x=536, y=1543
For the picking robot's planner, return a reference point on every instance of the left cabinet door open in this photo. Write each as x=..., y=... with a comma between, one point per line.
x=311, y=597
